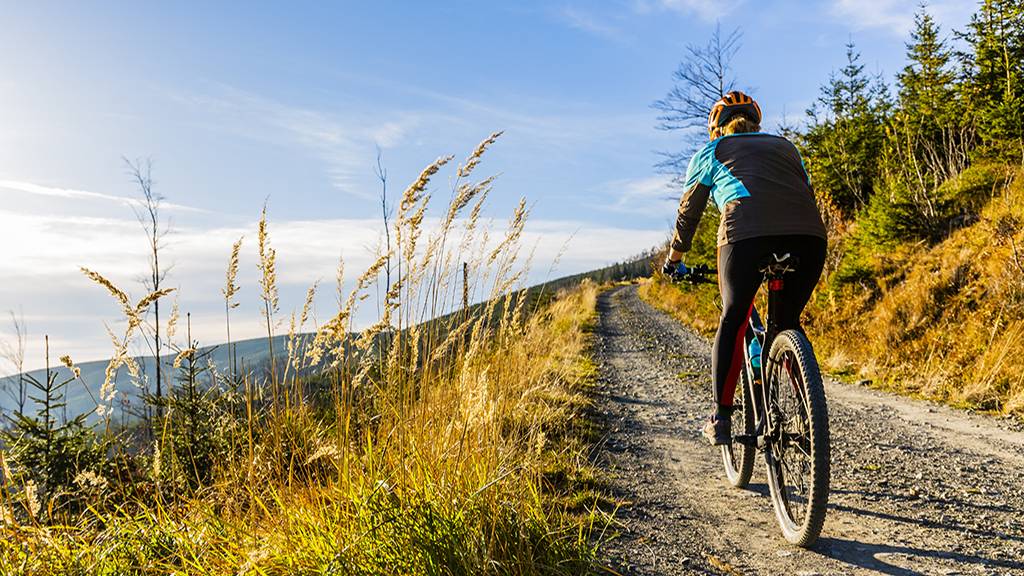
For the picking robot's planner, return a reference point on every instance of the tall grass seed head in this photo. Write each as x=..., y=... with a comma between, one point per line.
x=113, y=290
x=6, y=517
x=182, y=356
x=75, y=370
x=266, y=266
x=412, y=194
x=478, y=152
x=307, y=306
x=31, y=495
x=230, y=288
x=172, y=322
x=89, y=480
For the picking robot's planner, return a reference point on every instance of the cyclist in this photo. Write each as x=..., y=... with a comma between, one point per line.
x=759, y=184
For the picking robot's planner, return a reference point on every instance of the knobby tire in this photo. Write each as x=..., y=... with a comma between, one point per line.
x=792, y=364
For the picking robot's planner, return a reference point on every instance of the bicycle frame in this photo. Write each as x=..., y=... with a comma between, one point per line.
x=774, y=271
x=773, y=276
x=770, y=425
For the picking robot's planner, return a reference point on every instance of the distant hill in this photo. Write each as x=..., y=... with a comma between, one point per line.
x=252, y=353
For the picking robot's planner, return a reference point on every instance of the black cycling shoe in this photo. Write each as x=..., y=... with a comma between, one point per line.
x=718, y=430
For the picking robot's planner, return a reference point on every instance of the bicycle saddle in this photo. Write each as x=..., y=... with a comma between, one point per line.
x=777, y=265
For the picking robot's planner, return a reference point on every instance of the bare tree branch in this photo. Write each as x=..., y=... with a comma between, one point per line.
x=14, y=353
x=156, y=229
x=382, y=175
x=704, y=75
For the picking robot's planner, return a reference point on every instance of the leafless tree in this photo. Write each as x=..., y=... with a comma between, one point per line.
x=156, y=229
x=14, y=353
x=704, y=75
x=382, y=175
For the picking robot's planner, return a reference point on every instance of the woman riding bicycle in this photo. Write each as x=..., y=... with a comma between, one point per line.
x=760, y=186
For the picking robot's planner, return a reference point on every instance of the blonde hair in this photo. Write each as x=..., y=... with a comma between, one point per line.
x=739, y=124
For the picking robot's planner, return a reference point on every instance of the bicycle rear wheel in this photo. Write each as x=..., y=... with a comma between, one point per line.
x=797, y=452
x=738, y=457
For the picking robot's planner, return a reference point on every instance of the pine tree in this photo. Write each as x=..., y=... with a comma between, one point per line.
x=928, y=141
x=926, y=91
x=49, y=452
x=846, y=135
x=994, y=67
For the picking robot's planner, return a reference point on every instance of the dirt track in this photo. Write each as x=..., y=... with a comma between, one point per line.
x=916, y=488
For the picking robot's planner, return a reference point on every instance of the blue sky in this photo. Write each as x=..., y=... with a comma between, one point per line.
x=238, y=102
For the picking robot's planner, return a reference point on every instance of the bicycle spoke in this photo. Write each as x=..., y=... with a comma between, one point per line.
x=738, y=457
x=793, y=446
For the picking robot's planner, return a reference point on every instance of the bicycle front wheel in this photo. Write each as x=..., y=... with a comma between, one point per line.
x=797, y=450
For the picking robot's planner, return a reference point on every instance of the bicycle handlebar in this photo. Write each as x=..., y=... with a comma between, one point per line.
x=696, y=275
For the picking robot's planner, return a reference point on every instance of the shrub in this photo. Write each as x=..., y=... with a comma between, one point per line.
x=55, y=464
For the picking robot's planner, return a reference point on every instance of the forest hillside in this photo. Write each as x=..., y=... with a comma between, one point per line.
x=920, y=185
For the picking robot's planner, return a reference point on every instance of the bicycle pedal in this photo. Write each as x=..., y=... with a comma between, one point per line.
x=745, y=439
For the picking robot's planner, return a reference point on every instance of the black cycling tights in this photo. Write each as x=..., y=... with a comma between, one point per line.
x=739, y=277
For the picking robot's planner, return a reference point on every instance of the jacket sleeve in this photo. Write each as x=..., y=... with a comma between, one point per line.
x=699, y=182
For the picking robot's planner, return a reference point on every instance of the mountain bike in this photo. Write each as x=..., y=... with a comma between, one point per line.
x=782, y=415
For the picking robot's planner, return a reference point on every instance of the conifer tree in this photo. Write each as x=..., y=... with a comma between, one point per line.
x=994, y=67
x=926, y=90
x=928, y=140
x=846, y=135
x=49, y=452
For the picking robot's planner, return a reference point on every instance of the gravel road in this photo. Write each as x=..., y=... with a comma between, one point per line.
x=917, y=488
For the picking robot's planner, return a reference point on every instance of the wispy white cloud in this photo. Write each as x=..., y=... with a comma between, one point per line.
x=707, y=10
x=307, y=249
x=334, y=142
x=43, y=275
x=58, y=245
x=342, y=143
x=897, y=16
x=591, y=24
x=590, y=246
x=545, y=123
x=390, y=134
x=651, y=196
x=73, y=194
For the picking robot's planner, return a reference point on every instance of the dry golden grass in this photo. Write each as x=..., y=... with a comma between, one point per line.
x=417, y=448
x=947, y=321
x=134, y=317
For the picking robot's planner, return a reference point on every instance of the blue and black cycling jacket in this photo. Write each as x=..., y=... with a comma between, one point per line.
x=759, y=184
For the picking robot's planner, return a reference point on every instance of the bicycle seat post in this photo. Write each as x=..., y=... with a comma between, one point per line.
x=774, y=271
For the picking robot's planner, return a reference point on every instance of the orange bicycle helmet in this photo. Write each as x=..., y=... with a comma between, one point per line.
x=733, y=103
